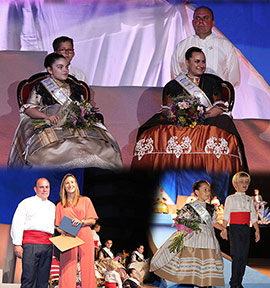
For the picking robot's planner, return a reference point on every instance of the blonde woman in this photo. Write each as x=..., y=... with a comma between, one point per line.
x=81, y=210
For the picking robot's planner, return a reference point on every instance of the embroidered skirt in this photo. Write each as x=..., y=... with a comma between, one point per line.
x=205, y=146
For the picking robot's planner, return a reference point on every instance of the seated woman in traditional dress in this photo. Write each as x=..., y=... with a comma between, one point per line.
x=191, y=255
x=106, y=251
x=48, y=107
x=172, y=138
x=138, y=262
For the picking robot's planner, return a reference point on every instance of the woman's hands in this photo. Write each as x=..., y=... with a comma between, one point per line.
x=213, y=112
x=76, y=222
x=35, y=113
x=53, y=118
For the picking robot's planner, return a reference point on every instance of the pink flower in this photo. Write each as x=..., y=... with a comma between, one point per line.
x=181, y=227
x=82, y=111
x=75, y=118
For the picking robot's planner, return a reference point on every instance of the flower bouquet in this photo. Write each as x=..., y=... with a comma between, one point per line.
x=79, y=115
x=74, y=115
x=185, y=222
x=186, y=111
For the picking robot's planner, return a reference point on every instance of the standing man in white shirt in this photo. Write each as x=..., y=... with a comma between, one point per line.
x=64, y=45
x=32, y=226
x=220, y=54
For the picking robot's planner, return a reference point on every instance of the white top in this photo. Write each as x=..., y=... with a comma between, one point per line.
x=76, y=72
x=113, y=277
x=134, y=258
x=96, y=237
x=221, y=58
x=32, y=214
x=239, y=202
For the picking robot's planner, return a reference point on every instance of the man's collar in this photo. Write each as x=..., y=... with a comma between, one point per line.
x=207, y=37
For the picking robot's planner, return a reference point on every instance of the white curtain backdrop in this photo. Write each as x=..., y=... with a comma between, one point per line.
x=120, y=43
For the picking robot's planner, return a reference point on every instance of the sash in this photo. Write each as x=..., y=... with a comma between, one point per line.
x=193, y=90
x=36, y=237
x=56, y=92
x=205, y=216
x=110, y=285
x=240, y=218
x=108, y=252
x=203, y=213
x=134, y=280
x=139, y=255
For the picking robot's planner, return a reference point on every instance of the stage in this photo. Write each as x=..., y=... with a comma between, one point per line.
x=161, y=229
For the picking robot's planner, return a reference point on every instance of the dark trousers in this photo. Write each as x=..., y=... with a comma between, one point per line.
x=239, y=245
x=36, y=264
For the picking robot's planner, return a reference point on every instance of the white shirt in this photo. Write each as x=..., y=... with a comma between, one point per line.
x=96, y=237
x=134, y=258
x=32, y=214
x=76, y=72
x=239, y=202
x=113, y=277
x=221, y=58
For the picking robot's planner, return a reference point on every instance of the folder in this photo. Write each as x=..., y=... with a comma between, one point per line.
x=64, y=243
x=66, y=225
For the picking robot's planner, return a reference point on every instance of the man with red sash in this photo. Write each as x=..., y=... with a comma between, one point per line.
x=32, y=226
x=239, y=212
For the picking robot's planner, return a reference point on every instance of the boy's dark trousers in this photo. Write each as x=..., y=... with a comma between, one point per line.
x=239, y=245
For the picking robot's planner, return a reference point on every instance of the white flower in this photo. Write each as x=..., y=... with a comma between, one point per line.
x=182, y=105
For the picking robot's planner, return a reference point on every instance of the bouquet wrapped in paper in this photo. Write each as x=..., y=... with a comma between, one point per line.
x=186, y=222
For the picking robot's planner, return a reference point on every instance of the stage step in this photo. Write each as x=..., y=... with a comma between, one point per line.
x=7, y=285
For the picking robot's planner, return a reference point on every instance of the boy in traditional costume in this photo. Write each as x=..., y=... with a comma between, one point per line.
x=239, y=213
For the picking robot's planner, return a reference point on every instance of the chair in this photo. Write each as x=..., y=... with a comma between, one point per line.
x=54, y=272
x=228, y=93
x=25, y=86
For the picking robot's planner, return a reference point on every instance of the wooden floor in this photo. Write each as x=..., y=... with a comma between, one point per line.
x=260, y=264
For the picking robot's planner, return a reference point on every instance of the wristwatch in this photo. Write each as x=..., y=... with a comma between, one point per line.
x=82, y=222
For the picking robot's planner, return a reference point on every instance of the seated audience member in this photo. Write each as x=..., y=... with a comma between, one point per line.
x=138, y=263
x=112, y=277
x=131, y=281
x=106, y=251
x=108, y=264
x=42, y=139
x=194, y=124
x=64, y=45
x=96, y=238
x=137, y=255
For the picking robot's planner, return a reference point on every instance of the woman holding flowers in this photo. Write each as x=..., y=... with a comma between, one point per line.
x=192, y=254
x=59, y=127
x=194, y=123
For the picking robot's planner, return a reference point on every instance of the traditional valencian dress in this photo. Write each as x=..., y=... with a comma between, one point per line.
x=214, y=146
x=140, y=264
x=54, y=146
x=200, y=263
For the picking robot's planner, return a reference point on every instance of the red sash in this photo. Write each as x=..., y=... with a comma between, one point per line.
x=240, y=218
x=110, y=285
x=36, y=237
